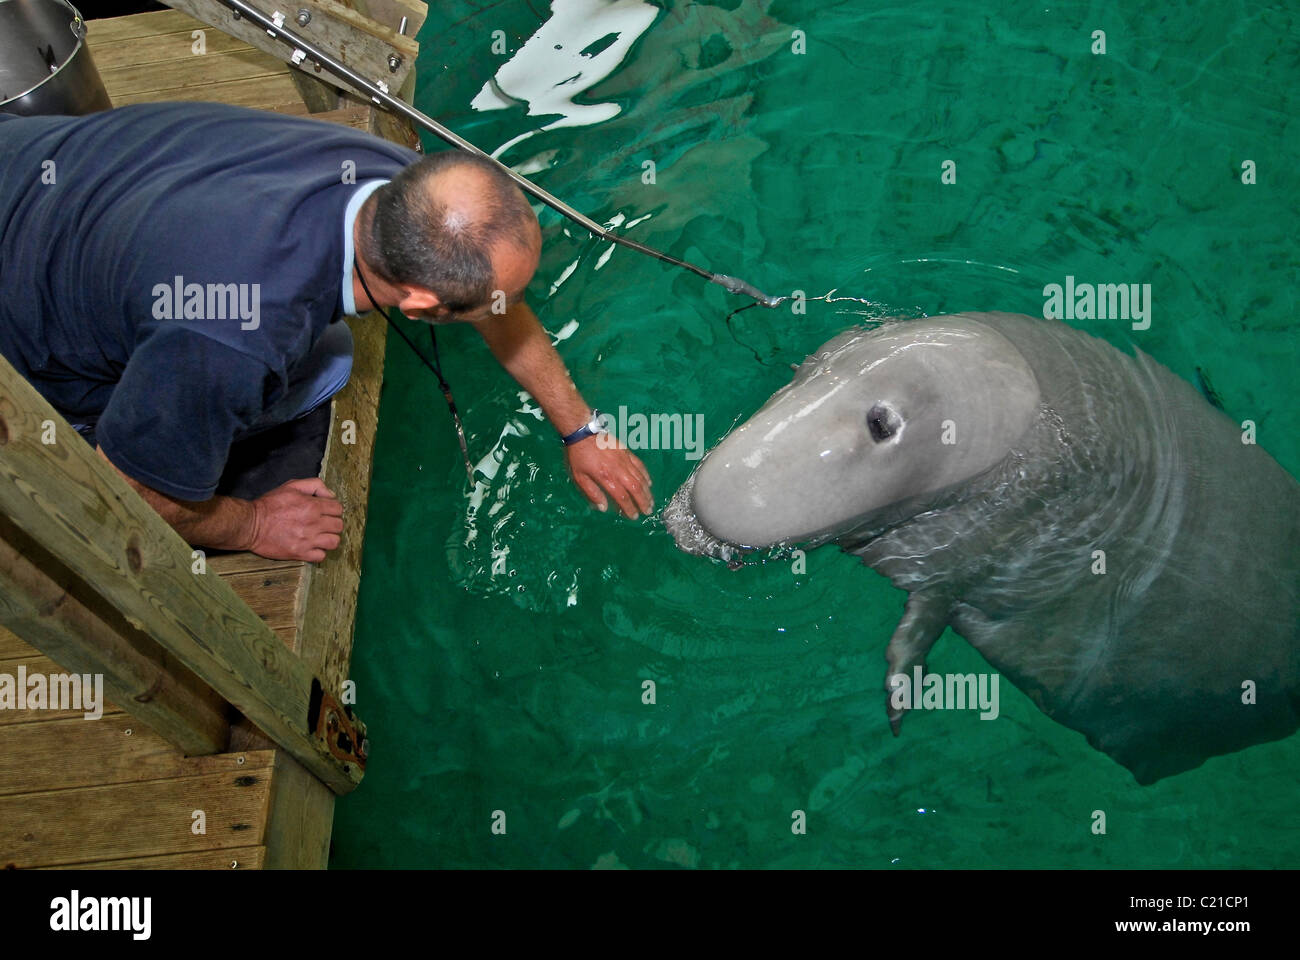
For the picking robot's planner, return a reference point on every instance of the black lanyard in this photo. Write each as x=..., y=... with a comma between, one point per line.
x=435, y=366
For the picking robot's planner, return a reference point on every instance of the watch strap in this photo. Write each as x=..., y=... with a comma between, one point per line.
x=588, y=429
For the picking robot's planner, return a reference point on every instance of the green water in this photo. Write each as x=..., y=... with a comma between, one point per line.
x=501, y=645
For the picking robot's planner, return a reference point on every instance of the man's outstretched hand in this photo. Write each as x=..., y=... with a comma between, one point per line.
x=610, y=469
x=299, y=520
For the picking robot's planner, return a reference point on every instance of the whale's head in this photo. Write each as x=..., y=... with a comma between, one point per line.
x=874, y=418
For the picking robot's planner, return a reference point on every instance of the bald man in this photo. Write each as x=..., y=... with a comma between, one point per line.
x=173, y=276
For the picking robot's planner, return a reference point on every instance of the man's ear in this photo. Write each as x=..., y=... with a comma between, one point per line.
x=417, y=300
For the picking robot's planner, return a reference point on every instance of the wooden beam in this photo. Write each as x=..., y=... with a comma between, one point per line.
x=320, y=95
x=44, y=602
x=66, y=497
x=384, y=123
x=329, y=613
x=394, y=126
x=349, y=36
x=351, y=114
x=299, y=819
x=391, y=12
x=403, y=44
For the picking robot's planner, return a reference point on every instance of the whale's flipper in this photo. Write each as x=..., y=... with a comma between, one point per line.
x=924, y=618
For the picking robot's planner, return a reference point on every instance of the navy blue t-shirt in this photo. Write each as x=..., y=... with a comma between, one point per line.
x=244, y=206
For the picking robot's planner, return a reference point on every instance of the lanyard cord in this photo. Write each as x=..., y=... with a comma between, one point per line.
x=435, y=366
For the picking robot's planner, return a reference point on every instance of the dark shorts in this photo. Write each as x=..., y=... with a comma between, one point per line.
x=291, y=451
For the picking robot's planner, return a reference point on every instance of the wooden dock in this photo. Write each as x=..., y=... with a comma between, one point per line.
x=201, y=786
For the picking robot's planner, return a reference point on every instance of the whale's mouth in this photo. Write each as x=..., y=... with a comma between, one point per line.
x=689, y=534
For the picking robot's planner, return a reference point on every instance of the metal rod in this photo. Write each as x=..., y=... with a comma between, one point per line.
x=378, y=92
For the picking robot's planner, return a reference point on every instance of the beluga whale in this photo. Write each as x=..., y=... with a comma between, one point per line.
x=1111, y=543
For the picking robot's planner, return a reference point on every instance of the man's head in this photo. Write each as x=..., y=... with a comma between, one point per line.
x=448, y=232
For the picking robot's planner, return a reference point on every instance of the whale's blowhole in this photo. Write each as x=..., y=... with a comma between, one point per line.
x=883, y=422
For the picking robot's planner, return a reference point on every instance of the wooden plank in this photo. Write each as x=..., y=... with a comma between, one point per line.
x=300, y=819
x=42, y=665
x=63, y=754
x=274, y=595
x=137, y=25
x=233, y=858
x=261, y=92
x=156, y=48
x=70, y=500
x=225, y=564
x=133, y=80
x=331, y=600
x=137, y=819
x=53, y=609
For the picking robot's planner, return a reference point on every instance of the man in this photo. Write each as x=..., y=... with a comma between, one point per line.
x=172, y=278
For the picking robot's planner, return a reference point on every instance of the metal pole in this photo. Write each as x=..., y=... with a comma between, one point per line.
x=378, y=92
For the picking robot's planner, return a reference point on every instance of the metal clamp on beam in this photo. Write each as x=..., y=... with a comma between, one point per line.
x=344, y=735
x=362, y=42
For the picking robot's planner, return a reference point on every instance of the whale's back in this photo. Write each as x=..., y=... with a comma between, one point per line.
x=1188, y=644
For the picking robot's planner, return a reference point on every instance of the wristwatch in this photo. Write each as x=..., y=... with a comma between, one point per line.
x=588, y=429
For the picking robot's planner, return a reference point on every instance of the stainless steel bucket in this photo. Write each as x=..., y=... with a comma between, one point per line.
x=45, y=66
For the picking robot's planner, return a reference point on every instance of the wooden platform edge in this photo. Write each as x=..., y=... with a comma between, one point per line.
x=298, y=806
x=57, y=491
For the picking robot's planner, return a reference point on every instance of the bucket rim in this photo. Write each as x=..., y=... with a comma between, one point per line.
x=77, y=20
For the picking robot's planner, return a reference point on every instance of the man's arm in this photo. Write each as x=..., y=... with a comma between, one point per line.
x=524, y=348
x=300, y=520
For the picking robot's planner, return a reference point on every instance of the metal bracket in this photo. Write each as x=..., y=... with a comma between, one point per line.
x=344, y=735
x=364, y=44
